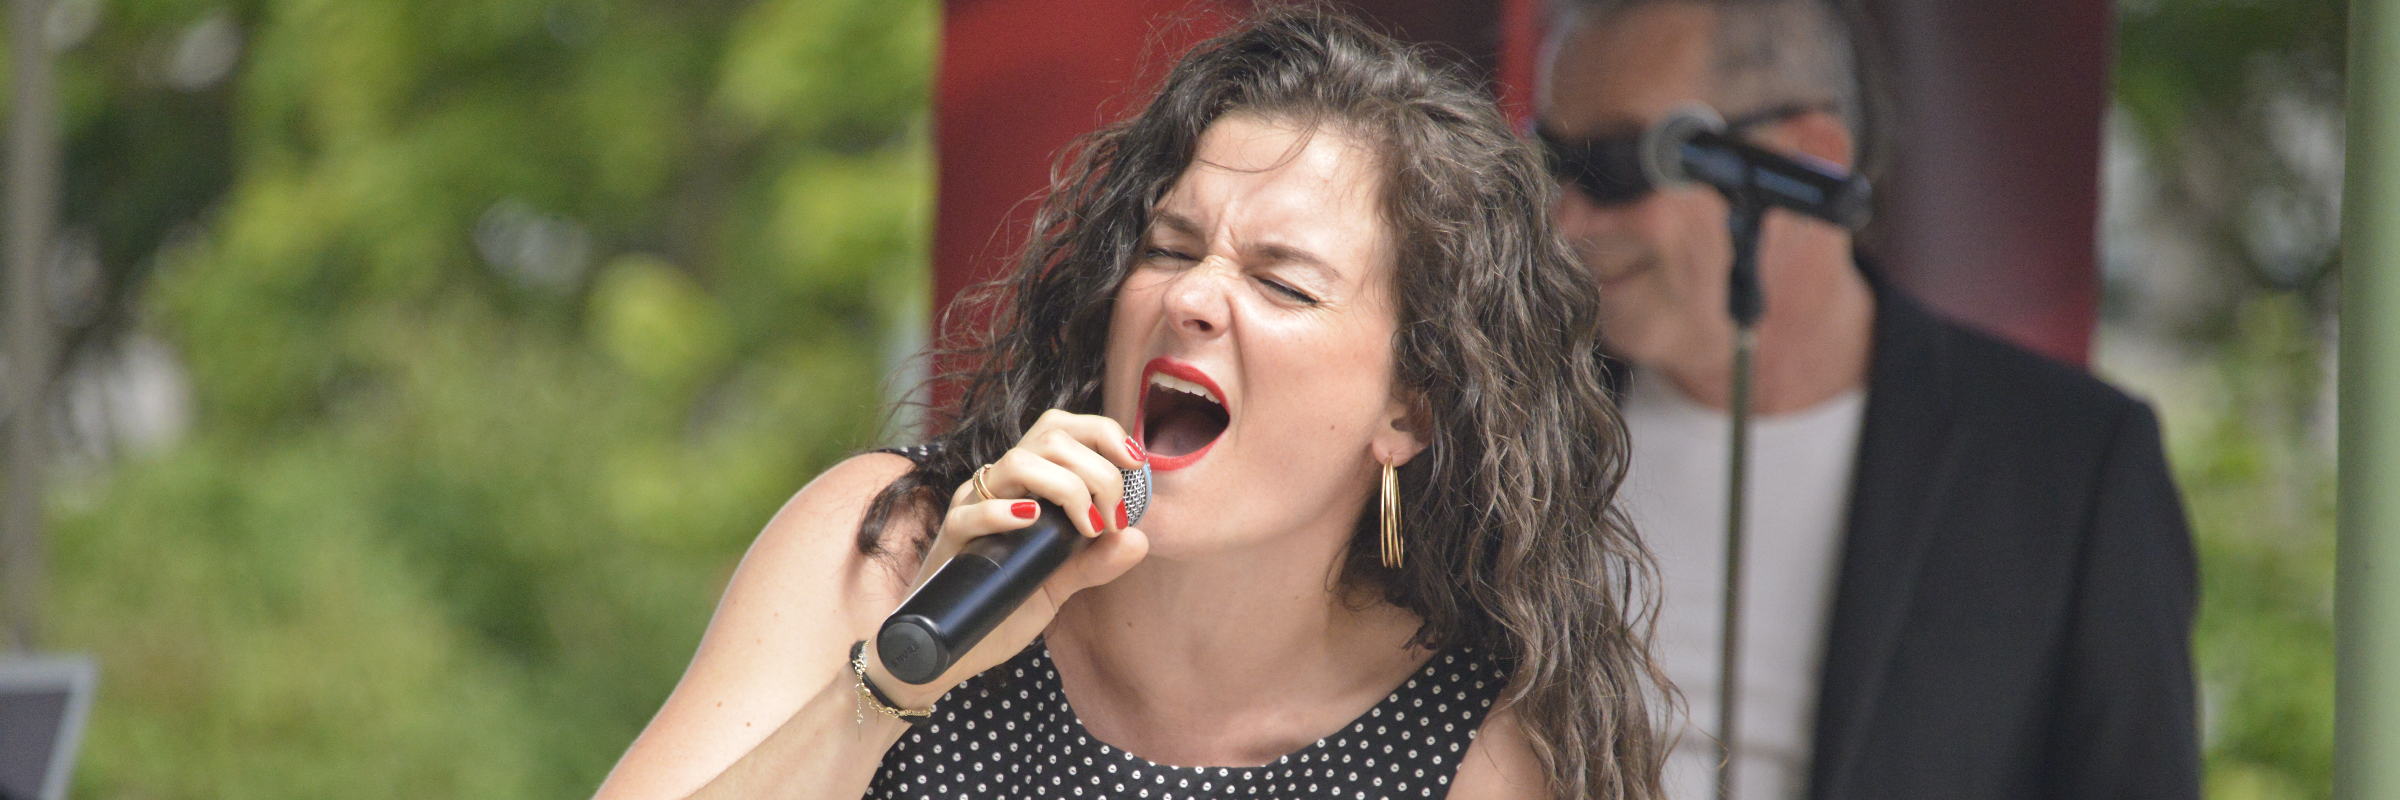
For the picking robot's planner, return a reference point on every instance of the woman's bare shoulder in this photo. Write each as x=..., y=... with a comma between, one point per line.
x=815, y=534
x=805, y=581
x=781, y=633
x=839, y=496
x=805, y=590
x=844, y=490
x=1501, y=764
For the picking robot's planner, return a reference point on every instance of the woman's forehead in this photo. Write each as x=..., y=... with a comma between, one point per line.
x=1255, y=175
x=1250, y=141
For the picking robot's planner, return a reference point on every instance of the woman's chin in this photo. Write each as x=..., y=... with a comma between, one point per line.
x=1176, y=541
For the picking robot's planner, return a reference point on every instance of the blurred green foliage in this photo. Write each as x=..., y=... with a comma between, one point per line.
x=2258, y=482
x=2220, y=93
x=508, y=323
x=2236, y=105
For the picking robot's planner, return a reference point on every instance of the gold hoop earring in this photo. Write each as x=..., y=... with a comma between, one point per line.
x=1392, y=555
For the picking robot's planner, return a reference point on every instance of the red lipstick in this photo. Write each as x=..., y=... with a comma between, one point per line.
x=1176, y=369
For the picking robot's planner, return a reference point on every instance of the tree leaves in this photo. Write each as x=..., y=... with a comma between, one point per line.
x=508, y=324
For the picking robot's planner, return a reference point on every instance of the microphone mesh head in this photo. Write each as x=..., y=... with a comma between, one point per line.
x=1137, y=492
x=1662, y=144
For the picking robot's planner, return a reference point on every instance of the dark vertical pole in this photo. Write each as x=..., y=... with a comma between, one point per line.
x=32, y=181
x=1745, y=302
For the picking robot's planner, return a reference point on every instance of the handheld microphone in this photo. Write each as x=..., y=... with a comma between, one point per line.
x=1689, y=146
x=972, y=592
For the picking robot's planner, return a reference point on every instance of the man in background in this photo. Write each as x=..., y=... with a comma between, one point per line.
x=1968, y=573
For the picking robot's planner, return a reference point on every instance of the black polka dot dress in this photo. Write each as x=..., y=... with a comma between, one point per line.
x=1008, y=733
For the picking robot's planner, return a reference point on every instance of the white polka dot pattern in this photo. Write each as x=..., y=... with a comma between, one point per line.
x=1008, y=733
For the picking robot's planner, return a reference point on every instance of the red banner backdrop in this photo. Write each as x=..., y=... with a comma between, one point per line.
x=1990, y=208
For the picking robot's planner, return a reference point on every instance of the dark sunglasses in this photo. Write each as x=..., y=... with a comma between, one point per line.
x=1608, y=169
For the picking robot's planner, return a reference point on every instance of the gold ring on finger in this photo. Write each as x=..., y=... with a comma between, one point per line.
x=981, y=490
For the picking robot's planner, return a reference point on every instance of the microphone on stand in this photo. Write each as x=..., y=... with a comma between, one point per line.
x=989, y=578
x=1688, y=146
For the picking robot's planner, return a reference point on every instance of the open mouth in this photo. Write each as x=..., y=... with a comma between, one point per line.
x=1182, y=413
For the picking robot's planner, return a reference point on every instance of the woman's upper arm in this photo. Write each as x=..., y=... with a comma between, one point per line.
x=783, y=630
x=1500, y=765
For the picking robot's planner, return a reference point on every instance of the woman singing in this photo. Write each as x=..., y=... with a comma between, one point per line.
x=1314, y=285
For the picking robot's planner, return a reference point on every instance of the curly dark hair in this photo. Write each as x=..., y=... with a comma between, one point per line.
x=1515, y=542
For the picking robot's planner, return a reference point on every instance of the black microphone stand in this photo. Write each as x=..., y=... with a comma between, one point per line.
x=1744, y=301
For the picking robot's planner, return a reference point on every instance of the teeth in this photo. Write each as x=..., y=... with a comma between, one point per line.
x=1178, y=384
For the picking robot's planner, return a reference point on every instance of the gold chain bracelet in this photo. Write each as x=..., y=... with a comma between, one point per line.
x=871, y=697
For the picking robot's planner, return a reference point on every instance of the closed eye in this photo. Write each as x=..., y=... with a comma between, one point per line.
x=1286, y=290
x=1160, y=252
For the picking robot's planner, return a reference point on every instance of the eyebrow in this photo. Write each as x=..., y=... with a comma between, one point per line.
x=1271, y=252
x=1179, y=224
x=1284, y=253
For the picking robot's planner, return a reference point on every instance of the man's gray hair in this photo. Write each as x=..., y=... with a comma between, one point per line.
x=1766, y=53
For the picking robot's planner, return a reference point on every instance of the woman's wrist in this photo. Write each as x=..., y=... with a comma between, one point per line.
x=901, y=695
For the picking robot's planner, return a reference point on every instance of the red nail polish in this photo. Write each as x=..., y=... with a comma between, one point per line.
x=1122, y=519
x=1135, y=448
x=1097, y=525
x=1024, y=509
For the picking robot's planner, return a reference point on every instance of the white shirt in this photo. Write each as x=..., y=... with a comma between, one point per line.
x=1799, y=493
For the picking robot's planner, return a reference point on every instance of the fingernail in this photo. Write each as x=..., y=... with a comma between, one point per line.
x=1097, y=525
x=1135, y=449
x=1122, y=519
x=1024, y=509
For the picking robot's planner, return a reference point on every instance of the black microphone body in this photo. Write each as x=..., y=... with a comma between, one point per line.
x=1687, y=147
x=978, y=588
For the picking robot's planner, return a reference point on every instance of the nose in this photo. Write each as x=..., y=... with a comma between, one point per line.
x=1197, y=302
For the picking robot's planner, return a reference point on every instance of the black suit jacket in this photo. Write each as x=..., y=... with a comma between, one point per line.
x=2014, y=612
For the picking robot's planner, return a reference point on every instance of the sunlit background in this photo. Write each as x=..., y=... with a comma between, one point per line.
x=428, y=365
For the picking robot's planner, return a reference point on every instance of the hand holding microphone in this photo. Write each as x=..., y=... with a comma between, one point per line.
x=1051, y=517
